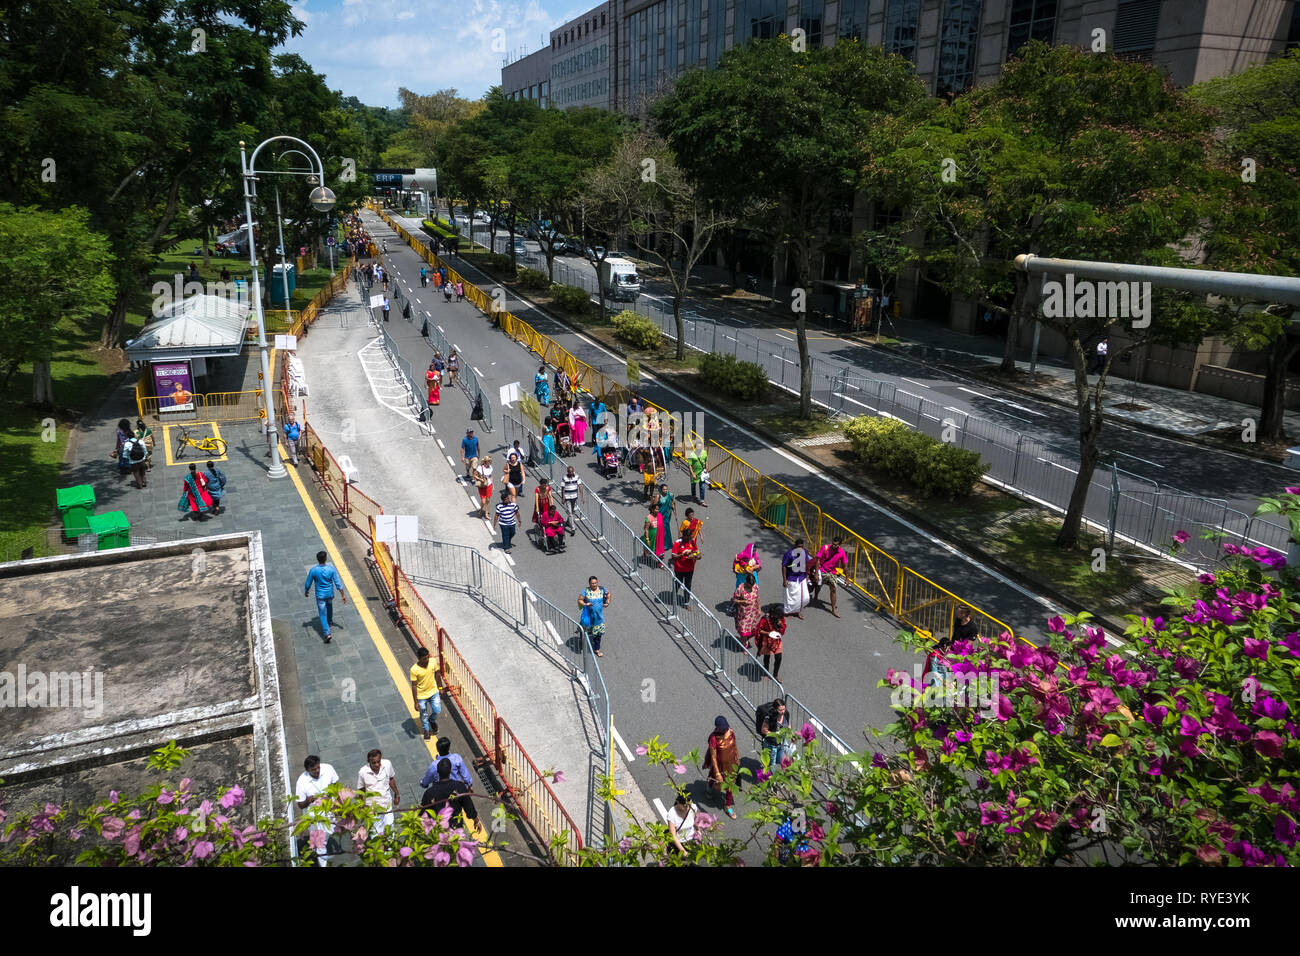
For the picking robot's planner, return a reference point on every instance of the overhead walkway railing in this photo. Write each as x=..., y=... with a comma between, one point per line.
x=903, y=593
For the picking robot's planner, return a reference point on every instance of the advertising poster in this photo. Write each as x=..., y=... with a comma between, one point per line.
x=173, y=384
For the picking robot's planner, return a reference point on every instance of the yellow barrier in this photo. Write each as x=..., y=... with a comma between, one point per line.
x=908, y=596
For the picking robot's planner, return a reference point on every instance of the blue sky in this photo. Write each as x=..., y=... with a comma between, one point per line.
x=369, y=48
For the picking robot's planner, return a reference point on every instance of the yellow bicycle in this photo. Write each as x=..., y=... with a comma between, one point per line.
x=209, y=445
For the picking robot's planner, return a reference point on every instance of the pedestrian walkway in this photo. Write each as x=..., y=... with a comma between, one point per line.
x=354, y=692
x=833, y=665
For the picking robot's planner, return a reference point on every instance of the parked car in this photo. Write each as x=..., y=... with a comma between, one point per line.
x=595, y=252
x=481, y=215
x=573, y=245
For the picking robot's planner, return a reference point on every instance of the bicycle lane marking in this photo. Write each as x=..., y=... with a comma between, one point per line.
x=400, y=681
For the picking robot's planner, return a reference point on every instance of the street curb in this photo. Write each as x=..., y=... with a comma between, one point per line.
x=1015, y=574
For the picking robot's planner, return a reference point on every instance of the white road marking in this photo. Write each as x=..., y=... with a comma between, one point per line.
x=442, y=330
x=440, y=444
x=914, y=381
x=476, y=370
x=622, y=744
x=1004, y=401
x=847, y=491
x=510, y=561
x=1136, y=458
x=663, y=811
x=786, y=337
x=450, y=461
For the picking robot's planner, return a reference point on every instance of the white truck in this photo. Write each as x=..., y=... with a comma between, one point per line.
x=619, y=279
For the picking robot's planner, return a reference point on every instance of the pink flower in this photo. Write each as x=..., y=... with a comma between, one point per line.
x=679, y=768
x=441, y=858
x=317, y=839
x=203, y=849
x=642, y=751
x=1256, y=648
x=964, y=838
x=112, y=828
x=1268, y=744
x=1293, y=491
x=131, y=842
x=165, y=797
x=465, y=855
x=1206, y=578
x=559, y=777
x=762, y=775
x=808, y=733
x=1181, y=537
x=704, y=821
x=112, y=796
x=232, y=797
x=1207, y=854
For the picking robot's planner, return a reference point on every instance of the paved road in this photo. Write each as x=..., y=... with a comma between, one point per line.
x=832, y=665
x=1153, y=459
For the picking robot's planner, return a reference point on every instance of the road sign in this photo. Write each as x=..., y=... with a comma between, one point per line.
x=329, y=240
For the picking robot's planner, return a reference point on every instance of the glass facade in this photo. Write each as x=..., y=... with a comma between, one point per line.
x=959, y=32
x=692, y=32
x=900, y=27
x=765, y=19
x=717, y=30
x=1030, y=20
x=810, y=20
x=853, y=19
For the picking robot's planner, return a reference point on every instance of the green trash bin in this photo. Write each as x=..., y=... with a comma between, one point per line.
x=76, y=505
x=112, y=529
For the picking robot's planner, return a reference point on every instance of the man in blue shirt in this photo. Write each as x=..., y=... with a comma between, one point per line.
x=459, y=771
x=292, y=432
x=469, y=453
x=326, y=579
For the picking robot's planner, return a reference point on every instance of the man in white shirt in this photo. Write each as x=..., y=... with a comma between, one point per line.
x=312, y=782
x=571, y=488
x=379, y=782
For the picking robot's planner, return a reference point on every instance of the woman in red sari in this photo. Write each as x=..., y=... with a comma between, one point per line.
x=722, y=760
x=195, y=499
x=434, y=378
x=748, y=612
x=771, y=631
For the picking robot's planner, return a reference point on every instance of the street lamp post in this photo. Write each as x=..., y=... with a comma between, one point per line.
x=322, y=199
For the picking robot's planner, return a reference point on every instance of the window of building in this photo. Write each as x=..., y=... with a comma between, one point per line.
x=853, y=19
x=1136, y=22
x=958, y=39
x=602, y=19
x=668, y=15
x=1030, y=20
x=900, y=27
x=544, y=92
x=717, y=31
x=810, y=21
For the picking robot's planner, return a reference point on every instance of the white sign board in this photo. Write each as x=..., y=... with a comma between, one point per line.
x=509, y=394
x=286, y=343
x=394, y=528
x=377, y=301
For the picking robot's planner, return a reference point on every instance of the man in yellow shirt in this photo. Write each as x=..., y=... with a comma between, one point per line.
x=424, y=691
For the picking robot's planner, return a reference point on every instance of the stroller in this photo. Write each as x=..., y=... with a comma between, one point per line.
x=564, y=440
x=611, y=464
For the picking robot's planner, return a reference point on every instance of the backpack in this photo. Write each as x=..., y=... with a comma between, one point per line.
x=761, y=715
x=138, y=451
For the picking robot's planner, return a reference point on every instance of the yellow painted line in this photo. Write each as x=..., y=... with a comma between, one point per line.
x=199, y=455
x=400, y=680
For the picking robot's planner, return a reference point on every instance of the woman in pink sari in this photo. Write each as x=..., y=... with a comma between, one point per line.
x=652, y=533
x=578, y=424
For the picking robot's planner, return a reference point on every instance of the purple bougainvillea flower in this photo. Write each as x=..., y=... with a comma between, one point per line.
x=1208, y=854
x=1181, y=537
x=1256, y=648
x=878, y=760
x=1284, y=829
x=1006, y=710
x=762, y=775
x=317, y=839
x=704, y=820
x=232, y=797
x=1190, y=727
x=808, y=733
x=465, y=855
x=166, y=797
x=642, y=751
x=1056, y=625
x=1293, y=491
x=203, y=849
x=948, y=746
x=1154, y=713
x=559, y=776
x=1156, y=767
x=1292, y=643
x=1206, y=578
x=1231, y=548
x=991, y=813
x=112, y=828
x=441, y=858
x=964, y=838
x=1268, y=744
x=786, y=762
x=1270, y=707
x=815, y=832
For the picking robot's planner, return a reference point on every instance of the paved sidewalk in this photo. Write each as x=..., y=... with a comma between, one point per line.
x=353, y=692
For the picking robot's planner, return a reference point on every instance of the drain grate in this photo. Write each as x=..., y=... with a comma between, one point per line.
x=835, y=438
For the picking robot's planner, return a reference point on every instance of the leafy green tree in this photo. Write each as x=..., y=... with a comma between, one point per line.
x=56, y=270
x=770, y=124
x=1256, y=226
x=661, y=209
x=1050, y=160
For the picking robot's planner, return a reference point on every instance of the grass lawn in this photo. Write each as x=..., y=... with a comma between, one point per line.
x=31, y=465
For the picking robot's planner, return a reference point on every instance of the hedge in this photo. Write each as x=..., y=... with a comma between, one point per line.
x=934, y=468
x=733, y=377
x=571, y=299
x=636, y=330
x=440, y=228
x=532, y=279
